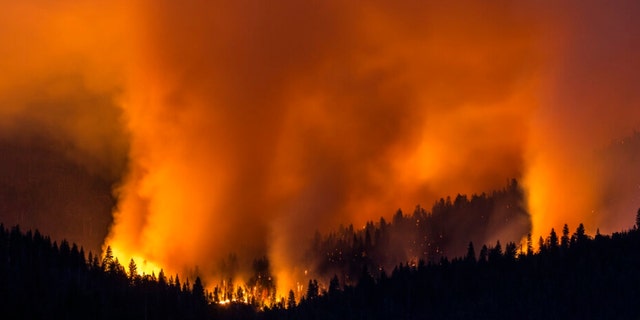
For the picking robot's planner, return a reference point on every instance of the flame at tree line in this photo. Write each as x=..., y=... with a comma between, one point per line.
x=244, y=127
x=428, y=236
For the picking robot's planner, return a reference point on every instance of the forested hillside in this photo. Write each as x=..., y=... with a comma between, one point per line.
x=444, y=231
x=565, y=275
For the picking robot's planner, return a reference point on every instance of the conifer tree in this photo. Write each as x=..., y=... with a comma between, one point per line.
x=291, y=300
x=198, y=289
x=471, y=253
x=312, y=290
x=107, y=261
x=133, y=270
x=564, y=240
x=553, y=240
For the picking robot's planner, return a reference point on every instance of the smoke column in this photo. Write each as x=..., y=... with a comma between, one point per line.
x=253, y=125
x=242, y=127
x=588, y=101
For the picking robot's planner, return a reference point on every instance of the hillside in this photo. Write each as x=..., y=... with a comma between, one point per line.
x=569, y=275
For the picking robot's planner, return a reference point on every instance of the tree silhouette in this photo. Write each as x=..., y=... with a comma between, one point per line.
x=510, y=251
x=239, y=294
x=542, y=247
x=484, y=252
x=198, y=289
x=291, y=300
x=564, y=240
x=496, y=252
x=107, y=261
x=553, y=240
x=471, y=253
x=133, y=270
x=312, y=289
x=216, y=294
x=162, y=279
x=334, y=285
x=580, y=235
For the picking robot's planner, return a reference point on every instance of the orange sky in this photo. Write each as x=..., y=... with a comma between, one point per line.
x=245, y=125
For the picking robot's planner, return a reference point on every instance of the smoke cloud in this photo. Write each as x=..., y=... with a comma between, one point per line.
x=63, y=145
x=243, y=127
x=589, y=102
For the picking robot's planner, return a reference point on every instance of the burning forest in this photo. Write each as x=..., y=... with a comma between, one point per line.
x=213, y=140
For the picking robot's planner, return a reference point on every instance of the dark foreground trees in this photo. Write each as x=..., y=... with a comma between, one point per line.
x=576, y=276
x=443, y=231
x=582, y=277
x=44, y=280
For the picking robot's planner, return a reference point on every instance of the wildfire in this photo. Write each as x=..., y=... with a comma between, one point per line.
x=246, y=127
x=144, y=267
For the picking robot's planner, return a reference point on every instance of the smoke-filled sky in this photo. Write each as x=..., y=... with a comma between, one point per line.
x=244, y=126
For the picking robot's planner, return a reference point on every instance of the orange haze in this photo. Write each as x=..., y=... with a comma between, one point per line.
x=247, y=125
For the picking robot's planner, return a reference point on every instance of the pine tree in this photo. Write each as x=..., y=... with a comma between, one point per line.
x=471, y=253
x=198, y=290
x=216, y=294
x=553, y=240
x=240, y=294
x=483, y=254
x=312, y=290
x=580, y=234
x=496, y=252
x=564, y=240
x=133, y=270
x=90, y=259
x=162, y=279
x=510, y=251
x=291, y=300
x=334, y=285
x=542, y=247
x=107, y=261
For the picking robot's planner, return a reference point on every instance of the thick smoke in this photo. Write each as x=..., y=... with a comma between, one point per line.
x=589, y=100
x=244, y=126
x=255, y=124
x=62, y=142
